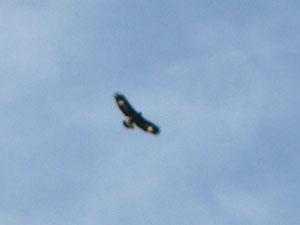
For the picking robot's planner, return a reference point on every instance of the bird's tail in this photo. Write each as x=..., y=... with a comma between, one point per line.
x=127, y=124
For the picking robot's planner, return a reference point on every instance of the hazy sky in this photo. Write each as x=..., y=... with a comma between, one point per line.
x=221, y=79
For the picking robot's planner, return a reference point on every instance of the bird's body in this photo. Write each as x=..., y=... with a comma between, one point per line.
x=134, y=117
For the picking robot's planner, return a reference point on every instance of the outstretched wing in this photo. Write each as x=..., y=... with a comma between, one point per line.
x=124, y=105
x=146, y=125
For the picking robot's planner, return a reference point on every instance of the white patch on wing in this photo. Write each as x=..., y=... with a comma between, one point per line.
x=121, y=102
x=150, y=128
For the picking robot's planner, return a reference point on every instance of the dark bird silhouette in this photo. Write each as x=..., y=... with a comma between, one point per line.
x=134, y=117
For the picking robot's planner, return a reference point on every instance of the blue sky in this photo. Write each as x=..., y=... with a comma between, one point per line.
x=220, y=78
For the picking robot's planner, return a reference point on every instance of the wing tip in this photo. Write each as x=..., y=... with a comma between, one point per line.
x=118, y=95
x=155, y=130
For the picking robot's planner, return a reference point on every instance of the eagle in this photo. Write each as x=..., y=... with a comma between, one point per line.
x=134, y=117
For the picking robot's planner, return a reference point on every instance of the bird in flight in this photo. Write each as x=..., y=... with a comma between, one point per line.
x=134, y=117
